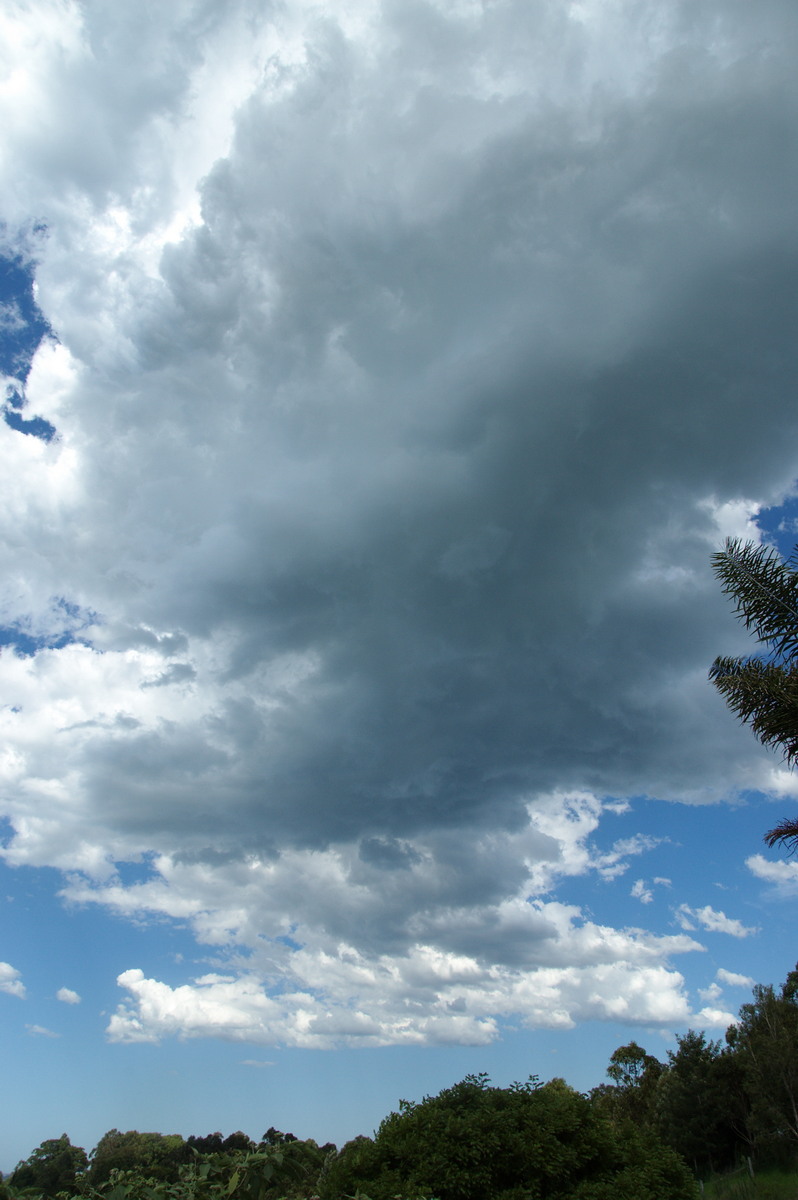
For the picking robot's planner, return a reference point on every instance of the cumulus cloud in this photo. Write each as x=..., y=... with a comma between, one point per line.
x=783, y=875
x=715, y=1018
x=409, y=366
x=10, y=981
x=437, y=940
x=427, y=997
x=712, y=920
x=67, y=996
x=733, y=979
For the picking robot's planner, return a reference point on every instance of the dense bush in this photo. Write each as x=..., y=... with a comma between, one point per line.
x=526, y=1142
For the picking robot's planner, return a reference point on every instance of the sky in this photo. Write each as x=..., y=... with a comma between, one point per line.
x=379, y=379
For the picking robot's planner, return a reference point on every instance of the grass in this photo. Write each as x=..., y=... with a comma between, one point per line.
x=767, y=1185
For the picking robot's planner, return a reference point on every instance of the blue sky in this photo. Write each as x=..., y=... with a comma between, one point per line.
x=379, y=380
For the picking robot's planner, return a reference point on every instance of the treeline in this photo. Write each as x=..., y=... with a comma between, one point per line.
x=649, y=1134
x=717, y=1103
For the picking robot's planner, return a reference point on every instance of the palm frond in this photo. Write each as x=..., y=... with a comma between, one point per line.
x=785, y=833
x=765, y=696
x=765, y=589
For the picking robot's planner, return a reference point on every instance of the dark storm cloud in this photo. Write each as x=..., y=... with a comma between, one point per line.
x=473, y=418
x=395, y=471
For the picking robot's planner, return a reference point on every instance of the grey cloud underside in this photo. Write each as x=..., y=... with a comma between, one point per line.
x=422, y=415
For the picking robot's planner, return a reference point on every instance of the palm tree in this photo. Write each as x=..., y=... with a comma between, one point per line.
x=763, y=691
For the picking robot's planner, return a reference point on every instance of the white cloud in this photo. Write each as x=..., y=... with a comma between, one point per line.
x=641, y=892
x=715, y=1018
x=783, y=875
x=441, y=929
x=41, y=1031
x=733, y=979
x=712, y=920
x=10, y=980
x=425, y=998
x=67, y=996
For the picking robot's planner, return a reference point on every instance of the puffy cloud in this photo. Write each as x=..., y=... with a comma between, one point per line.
x=715, y=1018
x=410, y=364
x=427, y=997
x=783, y=875
x=712, y=920
x=436, y=940
x=733, y=979
x=67, y=996
x=10, y=980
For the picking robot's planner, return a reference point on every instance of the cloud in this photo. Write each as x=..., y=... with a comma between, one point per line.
x=640, y=889
x=733, y=979
x=783, y=875
x=409, y=366
x=10, y=981
x=67, y=996
x=41, y=1031
x=712, y=920
x=427, y=997
x=437, y=940
x=715, y=1018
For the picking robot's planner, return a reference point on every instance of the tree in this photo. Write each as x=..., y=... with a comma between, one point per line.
x=765, y=1042
x=763, y=691
x=634, y=1074
x=156, y=1155
x=54, y=1166
x=697, y=1102
x=526, y=1142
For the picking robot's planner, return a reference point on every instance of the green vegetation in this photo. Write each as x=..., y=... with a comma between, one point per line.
x=714, y=1111
x=767, y=1185
x=763, y=691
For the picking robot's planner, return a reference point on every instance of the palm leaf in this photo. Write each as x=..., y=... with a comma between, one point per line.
x=765, y=589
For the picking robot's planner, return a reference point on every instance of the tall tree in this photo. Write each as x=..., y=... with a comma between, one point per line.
x=765, y=1043
x=698, y=1101
x=763, y=690
x=635, y=1076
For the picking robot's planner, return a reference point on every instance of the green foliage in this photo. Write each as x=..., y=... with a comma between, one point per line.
x=352, y=1170
x=645, y=1170
x=763, y=692
x=526, y=1142
x=156, y=1155
x=765, y=1041
x=767, y=1185
x=636, y=1076
x=54, y=1166
x=263, y=1173
x=698, y=1099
